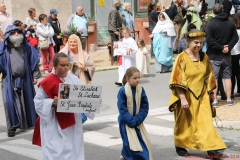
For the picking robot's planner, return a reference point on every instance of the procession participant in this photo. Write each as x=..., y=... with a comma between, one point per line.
x=164, y=37
x=133, y=108
x=191, y=17
x=127, y=58
x=142, y=58
x=81, y=63
x=19, y=66
x=192, y=81
x=66, y=138
x=83, y=66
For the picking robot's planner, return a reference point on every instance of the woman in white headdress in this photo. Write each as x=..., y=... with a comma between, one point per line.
x=163, y=42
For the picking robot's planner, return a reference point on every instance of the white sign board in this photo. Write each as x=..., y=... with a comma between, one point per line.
x=79, y=98
x=122, y=48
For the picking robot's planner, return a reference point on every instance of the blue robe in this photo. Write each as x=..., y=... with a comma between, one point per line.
x=31, y=59
x=132, y=121
x=162, y=48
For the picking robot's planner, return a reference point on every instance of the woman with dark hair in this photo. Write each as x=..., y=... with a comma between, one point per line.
x=192, y=82
x=204, y=8
x=45, y=34
x=235, y=53
x=152, y=20
x=19, y=24
x=59, y=134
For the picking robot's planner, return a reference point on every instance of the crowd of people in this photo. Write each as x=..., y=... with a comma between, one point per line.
x=208, y=55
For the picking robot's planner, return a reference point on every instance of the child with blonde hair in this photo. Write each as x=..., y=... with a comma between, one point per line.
x=133, y=108
x=142, y=58
x=126, y=50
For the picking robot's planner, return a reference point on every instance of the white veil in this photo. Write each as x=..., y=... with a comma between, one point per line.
x=165, y=26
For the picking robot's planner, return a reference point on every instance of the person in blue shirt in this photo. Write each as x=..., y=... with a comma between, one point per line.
x=80, y=21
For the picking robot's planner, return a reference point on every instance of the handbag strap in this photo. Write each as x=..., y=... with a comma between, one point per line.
x=152, y=20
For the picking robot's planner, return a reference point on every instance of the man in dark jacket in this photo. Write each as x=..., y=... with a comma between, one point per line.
x=227, y=6
x=114, y=23
x=221, y=38
x=52, y=19
x=175, y=14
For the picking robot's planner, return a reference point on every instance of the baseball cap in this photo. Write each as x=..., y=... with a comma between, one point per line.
x=53, y=11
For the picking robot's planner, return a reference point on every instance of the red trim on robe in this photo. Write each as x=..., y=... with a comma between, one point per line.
x=120, y=57
x=50, y=85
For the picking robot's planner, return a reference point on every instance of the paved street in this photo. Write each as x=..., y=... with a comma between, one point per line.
x=101, y=136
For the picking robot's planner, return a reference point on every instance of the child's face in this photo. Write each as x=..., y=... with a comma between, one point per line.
x=138, y=44
x=134, y=79
x=125, y=34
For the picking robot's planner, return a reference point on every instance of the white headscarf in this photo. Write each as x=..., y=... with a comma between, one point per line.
x=165, y=26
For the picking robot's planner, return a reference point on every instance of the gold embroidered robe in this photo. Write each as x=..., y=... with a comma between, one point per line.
x=193, y=127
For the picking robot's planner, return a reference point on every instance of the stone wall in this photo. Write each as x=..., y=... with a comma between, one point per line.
x=19, y=9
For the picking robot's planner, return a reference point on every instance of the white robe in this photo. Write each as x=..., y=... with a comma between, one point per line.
x=56, y=143
x=127, y=60
x=143, y=61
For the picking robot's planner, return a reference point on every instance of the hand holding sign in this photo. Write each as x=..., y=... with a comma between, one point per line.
x=79, y=98
x=55, y=100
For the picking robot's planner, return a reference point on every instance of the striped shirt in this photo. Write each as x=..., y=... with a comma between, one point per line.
x=5, y=20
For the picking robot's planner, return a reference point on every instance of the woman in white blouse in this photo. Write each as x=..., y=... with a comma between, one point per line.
x=32, y=20
x=45, y=32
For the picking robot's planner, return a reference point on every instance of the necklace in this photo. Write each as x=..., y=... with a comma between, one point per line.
x=193, y=57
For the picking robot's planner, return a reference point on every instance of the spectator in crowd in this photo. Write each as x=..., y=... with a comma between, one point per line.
x=79, y=20
x=204, y=9
x=5, y=20
x=175, y=14
x=152, y=20
x=20, y=25
x=45, y=34
x=32, y=20
x=31, y=24
x=114, y=23
x=19, y=66
x=235, y=53
x=227, y=6
x=127, y=18
x=159, y=8
x=191, y=17
x=54, y=22
x=31, y=37
x=182, y=43
x=192, y=82
x=220, y=42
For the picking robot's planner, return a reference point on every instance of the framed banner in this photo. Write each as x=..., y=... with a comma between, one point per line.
x=142, y=5
x=79, y=98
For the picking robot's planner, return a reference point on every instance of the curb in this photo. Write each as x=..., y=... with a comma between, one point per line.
x=227, y=124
